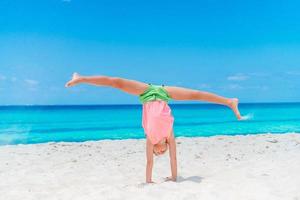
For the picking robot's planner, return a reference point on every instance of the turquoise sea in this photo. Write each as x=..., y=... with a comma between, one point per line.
x=38, y=124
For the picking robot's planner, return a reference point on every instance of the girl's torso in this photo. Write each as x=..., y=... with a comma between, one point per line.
x=157, y=116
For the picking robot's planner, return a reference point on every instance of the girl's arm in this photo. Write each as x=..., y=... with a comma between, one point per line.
x=173, y=159
x=149, y=152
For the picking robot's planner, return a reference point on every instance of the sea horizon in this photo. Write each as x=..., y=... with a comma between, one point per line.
x=176, y=103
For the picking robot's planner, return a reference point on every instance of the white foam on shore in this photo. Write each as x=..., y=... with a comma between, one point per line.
x=12, y=138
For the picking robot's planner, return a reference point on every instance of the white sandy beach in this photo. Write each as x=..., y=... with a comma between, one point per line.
x=265, y=166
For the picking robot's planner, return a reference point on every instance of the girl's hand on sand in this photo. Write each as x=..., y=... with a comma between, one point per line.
x=75, y=80
x=150, y=182
x=170, y=179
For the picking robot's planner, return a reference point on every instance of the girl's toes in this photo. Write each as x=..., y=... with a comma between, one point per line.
x=68, y=84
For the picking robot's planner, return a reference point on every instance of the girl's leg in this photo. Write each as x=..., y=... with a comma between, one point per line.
x=179, y=93
x=126, y=85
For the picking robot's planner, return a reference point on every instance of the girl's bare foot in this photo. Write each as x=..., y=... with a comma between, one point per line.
x=75, y=80
x=233, y=104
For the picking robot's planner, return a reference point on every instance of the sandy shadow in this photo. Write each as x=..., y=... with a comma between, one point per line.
x=180, y=179
x=196, y=179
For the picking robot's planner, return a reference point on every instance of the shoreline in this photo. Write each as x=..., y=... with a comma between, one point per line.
x=260, y=166
x=143, y=138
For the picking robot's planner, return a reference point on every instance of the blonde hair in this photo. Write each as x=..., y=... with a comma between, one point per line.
x=165, y=146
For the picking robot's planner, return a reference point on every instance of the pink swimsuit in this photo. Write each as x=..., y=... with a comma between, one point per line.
x=157, y=120
x=157, y=117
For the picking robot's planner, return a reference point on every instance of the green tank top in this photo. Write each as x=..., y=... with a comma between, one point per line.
x=153, y=93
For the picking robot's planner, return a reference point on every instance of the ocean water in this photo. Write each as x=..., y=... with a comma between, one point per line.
x=39, y=124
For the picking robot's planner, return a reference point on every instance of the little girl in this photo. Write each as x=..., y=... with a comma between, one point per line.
x=157, y=118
